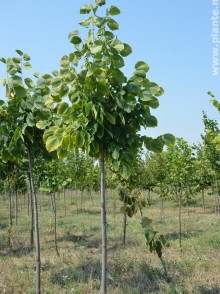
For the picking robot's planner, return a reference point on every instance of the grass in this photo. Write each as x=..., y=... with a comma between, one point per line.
x=132, y=269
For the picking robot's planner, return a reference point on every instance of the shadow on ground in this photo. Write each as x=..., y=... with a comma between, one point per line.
x=121, y=275
x=213, y=290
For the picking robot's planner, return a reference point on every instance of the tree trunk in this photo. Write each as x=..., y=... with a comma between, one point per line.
x=180, y=222
x=103, y=226
x=36, y=225
x=81, y=199
x=76, y=197
x=124, y=229
x=54, y=212
x=31, y=213
x=10, y=213
x=161, y=208
x=16, y=202
x=64, y=199
x=217, y=202
x=203, y=199
x=149, y=197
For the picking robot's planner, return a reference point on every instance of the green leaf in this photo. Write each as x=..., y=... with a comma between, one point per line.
x=26, y=57
x=118, y=46
x=110, y=118
x=118, y=61
x=95, y=49
x=62, y=108
x=62, y=153
x=157, y=145
x=116, y=153
x=66, y=142
x=86, y=9
x=42, y=124
x=43, y=114
x=126, y=51
x=169, y=139
x=80, y=139
x=29, y=102
x=56, y=82
x=145, y=222
x=75, y=40
x=118, y=76
x=17, y=60
x=2, y=59
x=16, y=81
x=64, y=62
x=39, y=102
x=112, y=24
x=151, y=121
x=3, y=81
x=52, y=143
x=36, y=74
x=86, y=22
x=140, y=73
x=30, y=120
x=27, y=65
x=29, y=82
x=20, y=91
x=100, y=2
x=132, y=88
x=141, y=65
x=153, y=102
x=63, y=91
x=109, y=35
x=19, y=52
x=114, y=10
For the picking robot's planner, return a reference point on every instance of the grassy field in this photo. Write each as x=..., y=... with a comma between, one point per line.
x=132, y=269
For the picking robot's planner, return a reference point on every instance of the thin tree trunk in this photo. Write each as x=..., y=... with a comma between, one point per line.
x=217, y=202
x=31, y=213
x=81, y=199
x=180, y=222
x=54, y=211
x=36, y=225
x=203, y=199
x=64, y=199
x=103, y=226
x=76, y=197
x=114, y=203
x=10, y=213
x=10, y=203
x=161, y=208
x=28, y=201
x=149, y=197
x=124, y=229
x=16, y=204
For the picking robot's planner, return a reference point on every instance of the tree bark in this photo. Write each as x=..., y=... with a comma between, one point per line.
x=161, y=208
x=203, y=199
x=16, y=201
x=76, y=197
x=180, y=222
x=124, y=229
x=54, y=211
x=64, y=199
x=10, y=213
x=103, y=226
x=36, y=225
x=31, y=213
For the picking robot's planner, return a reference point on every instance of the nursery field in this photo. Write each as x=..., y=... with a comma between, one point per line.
x=132, y=269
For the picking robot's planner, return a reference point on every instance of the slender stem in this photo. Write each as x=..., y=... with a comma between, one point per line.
x=37, y=235
x=103, y=226
x=124, y=229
